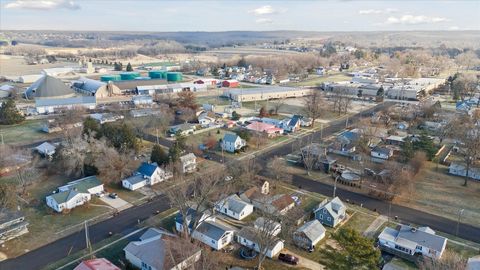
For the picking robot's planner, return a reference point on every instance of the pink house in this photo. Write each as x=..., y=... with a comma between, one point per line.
x=96, y=264
x=268, y=129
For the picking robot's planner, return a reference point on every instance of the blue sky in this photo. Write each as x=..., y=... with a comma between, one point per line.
x=159, y=15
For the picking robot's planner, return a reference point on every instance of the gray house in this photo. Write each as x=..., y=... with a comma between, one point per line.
x=12, y=225
x=309, y=234
x=331, y=213
x=232, y=142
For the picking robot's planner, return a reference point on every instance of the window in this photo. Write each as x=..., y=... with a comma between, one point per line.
x=324, y=211
x=320, y=216
x=329, y=218
x=213, y=241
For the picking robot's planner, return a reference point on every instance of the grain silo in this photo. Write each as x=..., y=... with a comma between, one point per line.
x=174, y=76
x=157, y=74
x=126, y=76
x=108, y=78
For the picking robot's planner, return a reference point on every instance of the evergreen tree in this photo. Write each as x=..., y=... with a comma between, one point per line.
x=235, y=115
x=129, y=67
x=9, y=114
x=426, y=145
x=91, y=125
x=158, y=155
x=407, y=150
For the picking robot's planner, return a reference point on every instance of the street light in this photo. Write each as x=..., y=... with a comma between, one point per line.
x=458, y=220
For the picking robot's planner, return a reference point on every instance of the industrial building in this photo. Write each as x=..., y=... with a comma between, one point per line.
x=265, y=93
x=50, y=105
x=49, y=87
x=95, y=88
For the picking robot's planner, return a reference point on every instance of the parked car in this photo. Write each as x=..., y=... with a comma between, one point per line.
x=100, y=194
x=288, y=258
x=113, y=195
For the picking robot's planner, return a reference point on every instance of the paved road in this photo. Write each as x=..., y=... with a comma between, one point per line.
x=123, y=223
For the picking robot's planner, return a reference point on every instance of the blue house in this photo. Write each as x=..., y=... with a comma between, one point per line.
x=331, y=213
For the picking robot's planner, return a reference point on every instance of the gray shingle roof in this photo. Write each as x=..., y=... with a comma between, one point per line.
x=423, y=238
x=230, y=137
x=233, y=203
x=312, y=229
x=212, y=229
x=49, y=87
x=78, y=100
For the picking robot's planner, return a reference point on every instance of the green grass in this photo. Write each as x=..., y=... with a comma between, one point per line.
x=27, y=132
x=315, y=80
x=359, y=222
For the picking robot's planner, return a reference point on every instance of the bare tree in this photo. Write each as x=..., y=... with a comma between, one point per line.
x=278, y=168
x=467, y=131
x=277, y=104
x=313, y=105
x=309, y=157
x=464, y=85
x=113, y=166
x=8, y=196
x=449, y=261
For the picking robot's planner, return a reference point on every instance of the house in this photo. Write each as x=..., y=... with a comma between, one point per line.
x=184, y=129
x=205, y=119
x=232, y=142
x=74, y=194
x=12, y=225
x=247, y=237
x=381, y=152
x=154, y=251
x=147, y=174
x=260, y=127
x=46, y=149
x=331, y=213
x=190, y=217
x=262, y=223
x=213, y=234
x=278, y=204
x=309, y=234
x=188, y=162
x=230, y=83
x=459, y=169
x=234, y=207
x=293, y=124
x=318, y=153
x=96, y=264
x=473, y=263
x=411, y=241
x=395, y=140
x=142, y=100
x=103, y=118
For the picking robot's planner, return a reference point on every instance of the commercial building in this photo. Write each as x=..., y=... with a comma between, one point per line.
x=95, y=88
x=265, y=93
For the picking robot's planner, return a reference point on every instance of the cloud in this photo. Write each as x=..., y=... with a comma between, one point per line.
x=265, y=10
x=264, y=21
x=453, y=28
x=377, y=11
x=412, y=19
x=43, y=4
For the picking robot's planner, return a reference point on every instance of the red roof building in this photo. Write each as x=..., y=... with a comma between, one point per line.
x=270, y=130
x=97, y=264
x=230, y=83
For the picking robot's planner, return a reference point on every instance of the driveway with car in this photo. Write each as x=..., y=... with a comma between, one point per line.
x=117, y=203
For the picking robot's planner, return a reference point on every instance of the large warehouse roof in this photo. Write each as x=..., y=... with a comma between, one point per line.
x=49, y=87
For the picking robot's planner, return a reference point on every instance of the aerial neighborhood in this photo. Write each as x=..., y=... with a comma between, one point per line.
x=147, y=148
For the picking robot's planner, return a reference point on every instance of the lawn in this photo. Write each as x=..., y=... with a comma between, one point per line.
x=46, y=225
x=317, y=80
x=27, y=132
x=440, y=193
x=360, y=221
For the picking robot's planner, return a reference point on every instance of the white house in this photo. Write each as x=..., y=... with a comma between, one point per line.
x=75, y=193
x=381, y=152
x=232, y=142
x=413, y=241
x=460, y=170
x=213, y=234
x=147, y=174
x=188, y=163
x=152, y=252
x=234, y=207
x=309, y=234
x=190, y=217
x=246, y=237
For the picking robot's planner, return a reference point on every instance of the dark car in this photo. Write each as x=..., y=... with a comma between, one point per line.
x=207, y=157
x=113, y=195
x=288, y=258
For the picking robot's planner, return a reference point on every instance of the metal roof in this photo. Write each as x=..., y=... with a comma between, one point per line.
x=49, y=87
x=147, y=169
x=78, y=100
x=88, y=85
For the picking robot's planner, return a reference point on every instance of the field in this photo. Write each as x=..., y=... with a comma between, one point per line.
x=16, y=66
x=440, y=193
x=315, y=80
x=26, y=132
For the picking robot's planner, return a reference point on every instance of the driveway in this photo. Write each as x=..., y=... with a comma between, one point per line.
x=304, y=262
x=117, y=203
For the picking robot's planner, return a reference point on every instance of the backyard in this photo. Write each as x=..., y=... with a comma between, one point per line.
x=26, y=132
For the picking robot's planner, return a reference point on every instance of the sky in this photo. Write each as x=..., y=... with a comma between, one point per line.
x=228, y=15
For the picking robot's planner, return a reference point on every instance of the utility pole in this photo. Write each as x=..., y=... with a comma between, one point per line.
x=335, y=187
x=157, y=135
x=458, y=220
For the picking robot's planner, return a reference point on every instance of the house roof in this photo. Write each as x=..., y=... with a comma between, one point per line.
x=251, y=193
x=294, y=120
x=84, y=184
x=49, y=87
x=422, y=237
x=147, y=169
x=233, y=203
x=135, y=179
x=262, y=127
x=151, y=251
x=230, y=137
x=7, y=215
x=213, y=230
x=68, y=101
x=45, y=147
x=96, y=264
x=382, y=150
x=262, y=222
x=64, y=196
x=282, y=201
x=312, y=229
x=334, y=207
x=250, y=233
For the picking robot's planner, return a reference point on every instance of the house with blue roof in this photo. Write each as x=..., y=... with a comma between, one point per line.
x=148, y=174
x=232, y=142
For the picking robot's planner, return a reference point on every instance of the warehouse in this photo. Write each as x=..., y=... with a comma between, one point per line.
x=265, y=93
x=48, y=87
x=95, y=88
x=50, y=105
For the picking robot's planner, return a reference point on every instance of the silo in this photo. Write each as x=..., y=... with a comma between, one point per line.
x=129, y=75
x=157, y=74
x=174, y=76
x=107, y=78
